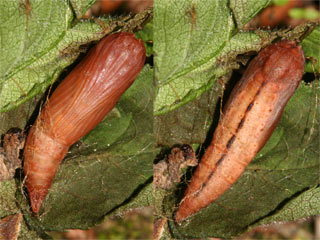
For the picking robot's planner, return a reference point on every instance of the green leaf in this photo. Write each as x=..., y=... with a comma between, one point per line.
x=307, y=203
x=27, y=36
x=37, y=44
x=146, y=34
x=142, y=198
x=193, y=43
x=18, y=117
x=311, y=49
x=280, y=2
x=188, y=35
x=304, y=13
x=7, y=203
x=80, y=7
x=188, y=124
x=245, y=10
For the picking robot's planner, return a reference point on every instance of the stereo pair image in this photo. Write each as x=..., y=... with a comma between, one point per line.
x=211, y=150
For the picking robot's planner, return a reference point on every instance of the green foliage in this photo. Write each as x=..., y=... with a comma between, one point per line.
x=280, y=2
x=80, y=7
x=37, y=44
x=195, y=45
x=310, y=47
x=301, y=13
x=245, y=10
x=147, y=36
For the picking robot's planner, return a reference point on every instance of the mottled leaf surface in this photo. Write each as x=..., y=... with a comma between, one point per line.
x=80, y=7
x=7, y=203
x=26, y=38
x=245, y=10
x=193, y=42
x=39, y=39
x=311, y=49
x=305, y=204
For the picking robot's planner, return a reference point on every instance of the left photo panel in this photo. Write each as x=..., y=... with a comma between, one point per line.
x=76, y=119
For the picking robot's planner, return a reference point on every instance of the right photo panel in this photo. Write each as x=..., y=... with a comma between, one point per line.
x=236, y=119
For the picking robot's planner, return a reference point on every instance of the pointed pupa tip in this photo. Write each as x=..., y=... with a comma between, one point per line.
x=36, y=200
x=178, y=217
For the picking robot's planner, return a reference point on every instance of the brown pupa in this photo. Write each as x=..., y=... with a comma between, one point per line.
x=79, y=103
x=249, y=118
